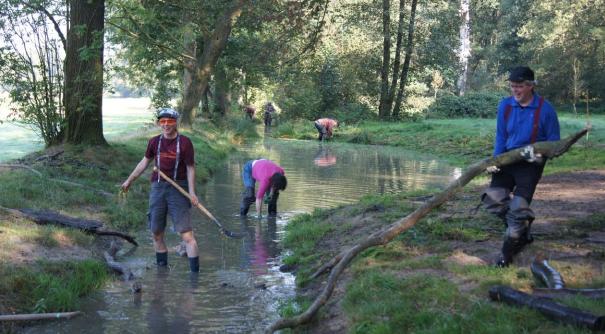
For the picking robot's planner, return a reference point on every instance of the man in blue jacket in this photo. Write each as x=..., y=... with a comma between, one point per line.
x=523, y=119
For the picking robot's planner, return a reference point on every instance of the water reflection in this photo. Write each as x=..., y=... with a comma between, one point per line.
x=260, y=244
x=324, y=157
x=160, y=316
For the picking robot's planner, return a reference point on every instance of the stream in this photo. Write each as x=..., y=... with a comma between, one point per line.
x=240, y=288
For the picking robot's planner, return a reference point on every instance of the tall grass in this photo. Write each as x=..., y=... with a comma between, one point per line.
x=49, y=286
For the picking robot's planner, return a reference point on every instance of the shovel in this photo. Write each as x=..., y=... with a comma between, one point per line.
x=199, y=206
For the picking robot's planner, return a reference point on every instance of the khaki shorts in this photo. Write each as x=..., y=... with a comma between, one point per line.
x=165, y=200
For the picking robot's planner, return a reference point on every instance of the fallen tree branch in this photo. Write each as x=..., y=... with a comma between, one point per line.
x=38, y=316
x=381, y=237
x=44, y=217
x=127, y=275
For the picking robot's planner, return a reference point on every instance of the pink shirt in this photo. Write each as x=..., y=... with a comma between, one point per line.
x=327, y=123
x=262, y=170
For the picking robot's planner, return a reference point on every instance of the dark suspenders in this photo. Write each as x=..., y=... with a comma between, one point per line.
x=178, y=154
x=536, y=123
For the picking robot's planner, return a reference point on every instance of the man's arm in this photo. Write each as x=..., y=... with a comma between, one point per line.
x=191, y=184
x=138, y=170
x=500, y=141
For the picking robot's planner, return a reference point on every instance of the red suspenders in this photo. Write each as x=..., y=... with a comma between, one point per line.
x=536, y=124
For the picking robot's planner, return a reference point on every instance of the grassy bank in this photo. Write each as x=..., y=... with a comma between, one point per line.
x=461, y=141
x=46, y=269
x=426, y=281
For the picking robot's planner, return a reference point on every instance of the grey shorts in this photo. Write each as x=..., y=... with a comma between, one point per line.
x=165, y=200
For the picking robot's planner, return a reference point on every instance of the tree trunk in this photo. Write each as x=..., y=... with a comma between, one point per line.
x=206, y=102
x=386, y=59
x=84, y=73
x=222, y=95
x=213, y=47
x=465, y=45
x=383, y=236
x=397, y=61
x=406, y=63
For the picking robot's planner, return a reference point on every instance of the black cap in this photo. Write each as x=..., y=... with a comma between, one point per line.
x=521, y=73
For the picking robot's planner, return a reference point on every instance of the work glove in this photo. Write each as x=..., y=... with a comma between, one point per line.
x=492, y=169
x=267, y=198
x=528, y=154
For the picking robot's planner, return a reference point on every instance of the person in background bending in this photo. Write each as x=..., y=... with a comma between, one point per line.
x=325, y=127
x=271, y=178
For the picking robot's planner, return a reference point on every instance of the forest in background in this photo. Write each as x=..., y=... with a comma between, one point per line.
x=350, y=59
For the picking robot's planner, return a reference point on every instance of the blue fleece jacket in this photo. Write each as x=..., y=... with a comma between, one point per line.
x=516, y=130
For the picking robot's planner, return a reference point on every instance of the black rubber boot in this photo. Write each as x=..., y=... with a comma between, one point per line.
x=161, y=259
x=194, y=264
x=247, y=199
x=509, y=248
x=272, y=207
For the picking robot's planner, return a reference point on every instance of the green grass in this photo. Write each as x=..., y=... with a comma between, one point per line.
x=382, y=302
x=14, y=234
x=49, y=286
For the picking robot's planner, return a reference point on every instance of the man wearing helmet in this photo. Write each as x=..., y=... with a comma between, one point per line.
x=173, y=154
x=523, y=119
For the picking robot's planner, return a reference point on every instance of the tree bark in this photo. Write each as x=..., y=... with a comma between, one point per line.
x=465, y=45
x=381, y=237
x=406, y=63
x=84, y=73
x=397, y=60
x=222, y=94
x=386, y=59
x=213, y=47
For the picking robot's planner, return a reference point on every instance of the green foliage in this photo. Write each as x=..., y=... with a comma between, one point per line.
x=331, y=86
x=31, y=70
x=300, y=99
x=352, y=113
x=473, y=104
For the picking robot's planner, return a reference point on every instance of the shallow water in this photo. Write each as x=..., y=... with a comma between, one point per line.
x=240, y=287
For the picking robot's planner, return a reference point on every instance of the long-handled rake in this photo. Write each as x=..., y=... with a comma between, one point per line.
x=200, y=206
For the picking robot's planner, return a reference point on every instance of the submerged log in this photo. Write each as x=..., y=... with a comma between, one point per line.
x=38, y=316
x=548, y=307
x=119, y=268
x=43, y=217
